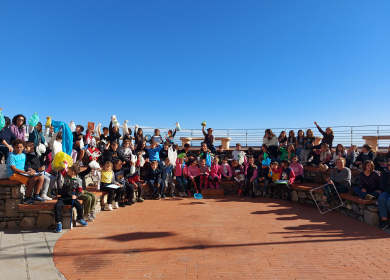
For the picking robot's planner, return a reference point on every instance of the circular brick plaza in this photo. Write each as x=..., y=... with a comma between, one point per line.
x=230, y=238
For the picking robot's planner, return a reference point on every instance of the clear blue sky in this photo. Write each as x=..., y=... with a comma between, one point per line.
x=235, y=64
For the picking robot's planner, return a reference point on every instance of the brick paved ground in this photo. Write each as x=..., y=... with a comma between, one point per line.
x=228, y=238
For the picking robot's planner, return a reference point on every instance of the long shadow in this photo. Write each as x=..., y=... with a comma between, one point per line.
x=191, y=203
x=138, y=236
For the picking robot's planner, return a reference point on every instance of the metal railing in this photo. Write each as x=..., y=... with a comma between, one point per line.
x=346, y=135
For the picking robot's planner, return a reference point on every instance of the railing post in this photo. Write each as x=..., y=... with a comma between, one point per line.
x=246, y=138
x=191, y=133
x=351, y=135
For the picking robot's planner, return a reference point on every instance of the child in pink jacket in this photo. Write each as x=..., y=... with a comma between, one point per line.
x=215, y=174
x=181, y=175
x=204, y=174
x=193, y=174
x=226, y=172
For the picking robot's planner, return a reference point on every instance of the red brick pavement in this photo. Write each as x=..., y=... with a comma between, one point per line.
x=228, y=238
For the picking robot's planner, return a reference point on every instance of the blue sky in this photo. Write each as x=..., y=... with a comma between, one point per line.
x=235, y=64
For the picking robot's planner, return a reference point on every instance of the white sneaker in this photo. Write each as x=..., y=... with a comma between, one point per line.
x=98, y=186
x=181, y=194
x=115, y=205
x=45, y=197
x=185, y=194
x=258, y=193
x=264, y=194
x=108, y=207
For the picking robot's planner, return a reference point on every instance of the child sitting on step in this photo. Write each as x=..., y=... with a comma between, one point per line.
x=181, y=175
x=204, y=174
x=193, y=175
x=107, y=178
x=67, y=195
x=226, y=170
x=167, y=178
x=133, y=178
x=215, y=174
x=238, y=175
x=153, y=179
x=251, y=177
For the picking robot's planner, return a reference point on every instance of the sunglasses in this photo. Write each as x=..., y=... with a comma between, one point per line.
x=20, y=119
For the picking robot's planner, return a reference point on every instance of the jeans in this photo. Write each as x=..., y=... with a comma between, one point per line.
x=384, y=204
x=211, y=147
x=265, y=187
x=329, y=192
x=297, y=152
x=182, y=184
x=255, y=184
x=359, y=192
x=48, y=183
x=67, y=201
x=155, y=188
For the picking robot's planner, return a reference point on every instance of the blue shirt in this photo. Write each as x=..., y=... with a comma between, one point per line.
x=15, y=160
x=154, y=153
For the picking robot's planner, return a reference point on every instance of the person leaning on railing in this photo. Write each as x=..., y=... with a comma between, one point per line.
x=384, y=198
x=369, y=182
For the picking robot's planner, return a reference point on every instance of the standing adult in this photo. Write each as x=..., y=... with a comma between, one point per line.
x=6, y=138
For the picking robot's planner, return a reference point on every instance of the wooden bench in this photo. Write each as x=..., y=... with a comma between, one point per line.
x=224, y=141
x=373, y=140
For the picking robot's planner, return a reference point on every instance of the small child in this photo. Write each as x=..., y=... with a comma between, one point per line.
x=239, y=176
x=286, y=174
x=119, y=173
x=274, y=172
x=298, y=169
x=112, y=153
x=203, y=152
x=287, y=153
x=215, y=174
x=221, y=154
x=126, y=149
x=193, y=174
x=156, y=138
x=154, y=151
x=108, y=178
x=93, y=152
x=164, y=152
x=187, y=152
x=16, y=166
x=181, y=175
x=251, y=177
x=226, y=170
x=167, y=178
x=238, y=154
x=67, y=195
x=153, y=179
x=262, y=172
x=204, y=174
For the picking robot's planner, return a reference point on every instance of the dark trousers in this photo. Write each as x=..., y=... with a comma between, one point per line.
x=111, y=192
x=191, y=184
x=130, y=190
x=67, y=201
x=211, y=147
x=299, y=178
x=182, y=183
x=213, y=179
x=273, y=150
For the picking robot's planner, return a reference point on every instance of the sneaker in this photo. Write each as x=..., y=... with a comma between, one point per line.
x=108, y=207
x=88, y=218
x=310, y=160
x=140, y=199
x=82, y=222
x=258, y=193
x=45, y=197
x=181, y=194
x=115, y=205
x=128, y=203
x=163, y=196
x=92, y=213
x=37, y=198
x=264, y=194
x=122, y=204
x=53, y=193
x=58, y=228
x=185, y=194
x=383, y=224
x=133, y=200
x=172, y=195
x=369, y=197
x=28, y=201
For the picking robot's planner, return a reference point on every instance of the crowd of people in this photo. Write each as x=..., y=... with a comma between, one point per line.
x=116, y=167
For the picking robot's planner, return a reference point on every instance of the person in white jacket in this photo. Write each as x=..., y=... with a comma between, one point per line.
x=272, y=141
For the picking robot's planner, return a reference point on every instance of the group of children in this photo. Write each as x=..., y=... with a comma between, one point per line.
x=116, y=168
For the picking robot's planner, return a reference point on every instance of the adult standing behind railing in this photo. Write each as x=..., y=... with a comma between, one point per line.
x=328, y=136
x=272, y=141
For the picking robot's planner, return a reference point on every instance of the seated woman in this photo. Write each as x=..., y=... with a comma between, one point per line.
x=6, y=138
x=17, y=126
x=367, y=153
x=384, y=198
x=36, y=134
x=340, y=177
x=369, y=182
x=271, y=140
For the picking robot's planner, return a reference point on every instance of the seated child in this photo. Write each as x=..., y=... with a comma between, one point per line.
x=298, y=169
x=324, y=157
x=107, y=178
x=286, y=174
x=93, y=152
x=239, y=176
x=164, y=152
x=204, y=174
x=238, y=154
x=153, y=152
x=251, y=177
x=153, y=179
x=187, y=151
x=112, y=154
x=119, y=173
x=16, y=170
x=221, y=154
x=193, y=175
x=35, y=162
x=67, y=195
x=167, y=178
x=203, y=152
x=127, y=150
x=263, y=172
x=181, y=175
x=226, y=170
x=352, y=154
x=133, y=178
x=215, y=174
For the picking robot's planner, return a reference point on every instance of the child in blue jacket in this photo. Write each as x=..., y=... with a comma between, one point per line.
x=154, y=152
